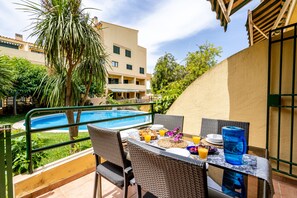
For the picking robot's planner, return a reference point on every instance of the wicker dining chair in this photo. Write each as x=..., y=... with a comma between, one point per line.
x=209, y=126
x=107, y=144
x=169, y=121
x=214, y=126
x=164, y=174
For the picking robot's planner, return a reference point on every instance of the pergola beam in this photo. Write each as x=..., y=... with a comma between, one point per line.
x=258, y=29
x=251, y=33
x=224, y=10
x=230, y=7
x=281, y=14
x=291, y=9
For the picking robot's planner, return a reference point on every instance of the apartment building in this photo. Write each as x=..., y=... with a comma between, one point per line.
x=17, y=47
x=127, y=71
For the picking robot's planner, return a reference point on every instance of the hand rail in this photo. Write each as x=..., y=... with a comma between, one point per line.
x=29, y=129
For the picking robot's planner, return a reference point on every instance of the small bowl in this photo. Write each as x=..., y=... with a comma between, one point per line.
x=193, y=149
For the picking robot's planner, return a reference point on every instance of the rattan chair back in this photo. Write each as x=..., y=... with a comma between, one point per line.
x=208, y=126
x=169, y=121
x=107, y=144
x=167, y=175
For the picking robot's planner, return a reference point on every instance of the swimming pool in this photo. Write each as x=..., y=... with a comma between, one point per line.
x=61, y=119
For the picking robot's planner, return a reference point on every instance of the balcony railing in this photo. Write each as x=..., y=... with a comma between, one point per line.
x=30, y=130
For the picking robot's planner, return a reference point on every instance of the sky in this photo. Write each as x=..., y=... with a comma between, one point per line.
x=165, y=26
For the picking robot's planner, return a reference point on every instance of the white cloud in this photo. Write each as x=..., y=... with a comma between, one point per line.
x=173, y=19
x=168, y=21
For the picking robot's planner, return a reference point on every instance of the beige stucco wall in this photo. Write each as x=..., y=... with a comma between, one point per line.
x=206, y=97
x=235, y=89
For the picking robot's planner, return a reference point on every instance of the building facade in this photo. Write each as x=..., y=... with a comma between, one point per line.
x=126, y=65
x=127, y=71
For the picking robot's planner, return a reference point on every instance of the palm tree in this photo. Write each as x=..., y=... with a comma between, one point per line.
x=73, y=51
x=6, y=77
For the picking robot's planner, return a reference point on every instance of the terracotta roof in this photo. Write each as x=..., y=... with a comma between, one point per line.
x=225, y=8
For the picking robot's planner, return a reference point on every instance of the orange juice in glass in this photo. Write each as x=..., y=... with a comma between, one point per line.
x=203, y=153
x=147, y=138
x=196, y=139
x=162, y=132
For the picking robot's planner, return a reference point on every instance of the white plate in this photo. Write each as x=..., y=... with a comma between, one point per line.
x=128, y=133
x=215, y=137
x=216, y=143
x=157, y=127
x=179, y=151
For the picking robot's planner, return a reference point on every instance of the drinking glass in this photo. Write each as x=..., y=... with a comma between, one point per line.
x=196, y=139
x=147, y=138
x=162, y=132
x=203, y=153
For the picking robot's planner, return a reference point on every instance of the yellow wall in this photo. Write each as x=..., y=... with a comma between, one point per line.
x=125, y=38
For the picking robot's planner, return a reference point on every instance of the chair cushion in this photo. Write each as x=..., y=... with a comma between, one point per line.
x=111, y=172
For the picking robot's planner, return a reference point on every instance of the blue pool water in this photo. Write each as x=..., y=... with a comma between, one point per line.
x=61, y=119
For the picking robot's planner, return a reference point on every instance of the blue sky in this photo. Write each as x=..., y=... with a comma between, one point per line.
x=173, y=26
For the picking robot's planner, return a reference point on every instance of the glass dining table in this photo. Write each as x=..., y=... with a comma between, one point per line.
x=253, y=179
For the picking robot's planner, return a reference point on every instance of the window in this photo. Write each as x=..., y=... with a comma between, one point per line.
x=126, y=82
x=116, y=49
x=115, y=63
x=141, y=70
x=128, y=53
x=137, y=82
x=129, y=67
x=113, y=81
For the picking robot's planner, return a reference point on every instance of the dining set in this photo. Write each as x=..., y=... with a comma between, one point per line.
x=172, y=164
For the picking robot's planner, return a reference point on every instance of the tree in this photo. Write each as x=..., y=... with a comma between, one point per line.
x=27, y=78
x=73, y=51
x=6, y=76
x=166, y=71
x=197, y=63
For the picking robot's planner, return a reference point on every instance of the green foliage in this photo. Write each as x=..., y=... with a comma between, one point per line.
x=20, y=164
x=19, y=76
x=167, y=70
x=28, y=77
x=171, y=84
x=6, y=76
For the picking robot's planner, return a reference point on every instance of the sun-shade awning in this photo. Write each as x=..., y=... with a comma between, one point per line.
x=225, y=8
x=269, y=15
x=123, y=90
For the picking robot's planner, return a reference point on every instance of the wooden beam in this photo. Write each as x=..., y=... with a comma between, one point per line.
x=291, y=9
x=281, y=14
x=251, y=28
x=261, y=32
x=224, y=10
x=230, y=7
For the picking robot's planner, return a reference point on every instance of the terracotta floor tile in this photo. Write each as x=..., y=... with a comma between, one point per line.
x=288, y=190
x=83, y=188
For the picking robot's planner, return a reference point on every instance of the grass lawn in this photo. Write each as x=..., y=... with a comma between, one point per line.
x=10, y=119
x=64, y=151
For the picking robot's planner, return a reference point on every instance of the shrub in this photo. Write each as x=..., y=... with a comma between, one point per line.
x=20, y=164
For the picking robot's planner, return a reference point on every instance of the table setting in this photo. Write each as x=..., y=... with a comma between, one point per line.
x=226, y=151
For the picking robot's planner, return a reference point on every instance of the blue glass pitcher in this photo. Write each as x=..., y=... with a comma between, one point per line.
x=234, y=144
x=233, y=184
